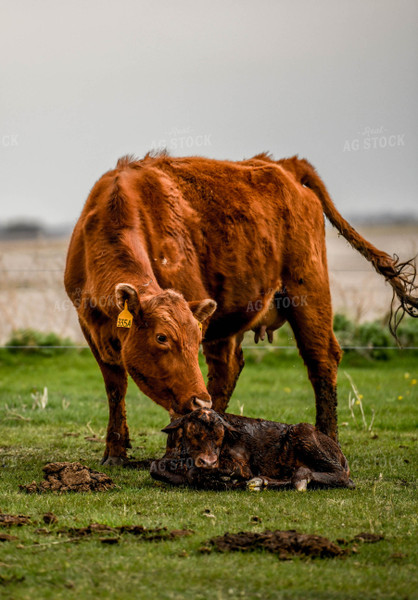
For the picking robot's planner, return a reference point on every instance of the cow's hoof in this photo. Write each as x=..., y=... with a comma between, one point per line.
x=255, y=484
x=302, y=485
x=113, y=461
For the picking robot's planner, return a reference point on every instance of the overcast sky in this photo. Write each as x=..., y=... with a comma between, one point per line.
x=86, y=81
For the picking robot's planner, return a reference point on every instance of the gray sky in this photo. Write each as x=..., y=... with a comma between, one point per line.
x=84, y=82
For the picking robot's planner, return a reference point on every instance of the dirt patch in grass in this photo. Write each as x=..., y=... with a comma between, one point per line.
x=368, y=538
x=287, y=544
x=9, y=520
x=4, y=580
x=5, y=537
x=156, y=534
x=112, y=534
x=284, y=544
x=69, y=477
x=49, y=518
x=364, y=537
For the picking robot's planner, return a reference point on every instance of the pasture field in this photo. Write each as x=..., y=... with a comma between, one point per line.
x=47, y=564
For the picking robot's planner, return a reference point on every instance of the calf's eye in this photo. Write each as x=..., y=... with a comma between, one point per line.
x=161, y=338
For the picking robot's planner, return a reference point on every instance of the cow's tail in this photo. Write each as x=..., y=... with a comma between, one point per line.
x=400, y=275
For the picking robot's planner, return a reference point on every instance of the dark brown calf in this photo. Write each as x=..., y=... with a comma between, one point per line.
x=209, y=450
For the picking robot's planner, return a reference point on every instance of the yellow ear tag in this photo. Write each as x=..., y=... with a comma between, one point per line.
x=125, y=318
x=200, y=325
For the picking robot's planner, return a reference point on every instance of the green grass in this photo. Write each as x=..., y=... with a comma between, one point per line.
x=276, y=388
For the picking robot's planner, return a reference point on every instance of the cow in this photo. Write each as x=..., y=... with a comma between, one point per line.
x=209, y=450
x=180, y=251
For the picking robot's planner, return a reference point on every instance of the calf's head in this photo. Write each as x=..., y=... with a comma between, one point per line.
x=160, y=350
x=200, y=436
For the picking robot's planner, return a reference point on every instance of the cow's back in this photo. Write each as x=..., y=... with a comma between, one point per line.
x=203, y=227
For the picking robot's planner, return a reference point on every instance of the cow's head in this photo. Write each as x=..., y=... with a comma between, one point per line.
x=160, y=350
x=200, y=436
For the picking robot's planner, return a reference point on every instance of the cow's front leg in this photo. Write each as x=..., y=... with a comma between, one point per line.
x=116, y=383
x=117, y=438
x=225, y=362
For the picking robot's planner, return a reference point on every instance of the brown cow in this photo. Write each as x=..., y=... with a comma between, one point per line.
x=175, y=238
x=210, y=450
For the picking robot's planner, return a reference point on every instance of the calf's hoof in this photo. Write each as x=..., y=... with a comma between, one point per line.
x=256, y=484
x=113, y=461
x=302, y=485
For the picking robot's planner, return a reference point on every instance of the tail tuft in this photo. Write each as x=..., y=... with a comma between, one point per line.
x=402, y=276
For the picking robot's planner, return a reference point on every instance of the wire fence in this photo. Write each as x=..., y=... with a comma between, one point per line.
x=245, y=347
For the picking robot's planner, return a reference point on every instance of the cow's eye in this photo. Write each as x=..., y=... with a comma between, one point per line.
x=161, y=338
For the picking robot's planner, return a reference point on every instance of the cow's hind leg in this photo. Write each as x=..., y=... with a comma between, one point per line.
x=309, y=313
x=225, y=361
x=116, y=383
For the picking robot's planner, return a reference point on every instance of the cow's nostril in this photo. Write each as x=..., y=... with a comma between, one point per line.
x=200, y=403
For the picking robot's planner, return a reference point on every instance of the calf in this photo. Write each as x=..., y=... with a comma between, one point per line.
x=209, y=450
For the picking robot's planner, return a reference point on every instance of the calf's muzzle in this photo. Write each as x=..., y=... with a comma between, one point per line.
x=206, y=461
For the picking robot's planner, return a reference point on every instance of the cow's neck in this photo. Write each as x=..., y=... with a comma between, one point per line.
x=126, y=262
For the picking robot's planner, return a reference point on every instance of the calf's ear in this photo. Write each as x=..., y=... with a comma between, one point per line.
x=203, y=309
x=176, y=424
x=125, y=292
x=228, y=427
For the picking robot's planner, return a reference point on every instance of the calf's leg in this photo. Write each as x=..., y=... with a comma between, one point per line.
x=300, y=480
x=256, y=484
x=305, y=476
x=165, y=470
x=322, y=462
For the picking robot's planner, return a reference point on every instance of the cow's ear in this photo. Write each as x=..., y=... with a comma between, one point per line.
x=125, y=292
x=203, y=309
x=176, y=424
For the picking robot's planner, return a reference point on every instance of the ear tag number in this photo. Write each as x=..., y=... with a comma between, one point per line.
x=200, y=325
x=125, y=318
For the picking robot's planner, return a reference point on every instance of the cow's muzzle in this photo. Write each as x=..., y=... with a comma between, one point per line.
x=196, y=402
